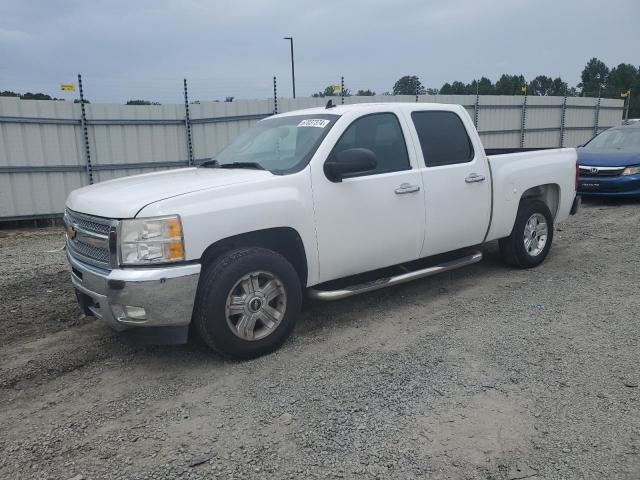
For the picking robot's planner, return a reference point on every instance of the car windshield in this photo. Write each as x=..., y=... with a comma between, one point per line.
x=622, y=139
x=280, y=145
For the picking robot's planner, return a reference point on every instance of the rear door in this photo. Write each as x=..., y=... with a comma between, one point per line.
x=456, y=180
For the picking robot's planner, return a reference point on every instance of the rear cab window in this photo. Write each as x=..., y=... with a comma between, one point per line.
x=443, y=138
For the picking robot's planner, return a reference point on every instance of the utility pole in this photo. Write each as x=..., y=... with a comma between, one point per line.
x=293, y=70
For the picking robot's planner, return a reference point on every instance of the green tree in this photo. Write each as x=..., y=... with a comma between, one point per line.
x=365, y=93
x=484, y=86
x=559, y=87
x=7, y=93
x=594, y=78
x=509, y=84
x=446, y=89
x=541, y=85
x=36, y=96
x=329, y=92
x=621, y=79
x=459, y=88
x=408, y=85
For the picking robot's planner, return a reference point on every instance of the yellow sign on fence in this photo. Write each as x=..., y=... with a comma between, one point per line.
x=67, y=87
x=335, y=88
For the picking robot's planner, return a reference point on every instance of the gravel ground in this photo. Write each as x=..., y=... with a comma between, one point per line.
x=484, y=372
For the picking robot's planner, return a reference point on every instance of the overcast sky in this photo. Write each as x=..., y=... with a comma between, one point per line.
x=143, y=49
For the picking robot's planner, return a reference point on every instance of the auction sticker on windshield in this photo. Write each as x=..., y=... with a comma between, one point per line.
x=314, y=122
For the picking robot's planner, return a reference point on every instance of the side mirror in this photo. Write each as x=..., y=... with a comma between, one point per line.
x=352, y=160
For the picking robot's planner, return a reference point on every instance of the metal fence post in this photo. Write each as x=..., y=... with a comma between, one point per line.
x=597, y=118
x=563, y=117
x=626, y=114
x=476, y=112
x=523, y=121
x=416, y=92
x=275, y=97
x=85, y=132
x=342, y=90
x=187, y=124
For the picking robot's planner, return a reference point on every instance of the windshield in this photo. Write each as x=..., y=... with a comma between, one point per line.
x=623, y=139
x=280, y=145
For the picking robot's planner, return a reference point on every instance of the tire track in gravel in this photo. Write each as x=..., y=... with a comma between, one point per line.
x=59, y=353
x=482, y=372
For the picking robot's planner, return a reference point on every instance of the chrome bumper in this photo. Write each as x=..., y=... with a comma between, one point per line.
x=166, y=294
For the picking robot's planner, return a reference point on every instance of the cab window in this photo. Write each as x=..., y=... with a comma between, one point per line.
x=381, y=133
x=443, y=138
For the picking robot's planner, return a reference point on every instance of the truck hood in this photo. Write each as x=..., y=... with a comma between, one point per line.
x=608, y=158
x=125, y=197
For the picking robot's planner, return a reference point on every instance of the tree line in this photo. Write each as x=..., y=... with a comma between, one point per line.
x=597, y=80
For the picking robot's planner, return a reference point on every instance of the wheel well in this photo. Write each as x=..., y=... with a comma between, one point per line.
x=549, y=194
x=284, y=240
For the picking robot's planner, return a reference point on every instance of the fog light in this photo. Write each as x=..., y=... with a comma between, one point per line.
x=118, y=312
x=135, y=313
x=128, y=313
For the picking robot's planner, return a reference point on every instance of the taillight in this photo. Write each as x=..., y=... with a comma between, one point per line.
x=577, y=175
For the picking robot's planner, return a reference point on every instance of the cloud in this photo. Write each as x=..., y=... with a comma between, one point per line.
x=12, y=36
x=144, y=48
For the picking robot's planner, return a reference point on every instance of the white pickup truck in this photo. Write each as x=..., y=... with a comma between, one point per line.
x=330, y=201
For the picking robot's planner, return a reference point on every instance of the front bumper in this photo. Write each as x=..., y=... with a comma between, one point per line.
x=166, y=294
x=624, y=185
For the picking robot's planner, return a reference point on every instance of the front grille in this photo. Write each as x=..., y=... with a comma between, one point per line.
x=91, y=225
x=88, y=238
x=95, y=253
x=601, y=171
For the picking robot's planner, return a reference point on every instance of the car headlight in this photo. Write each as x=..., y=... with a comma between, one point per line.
x=631, y=170
x=151, y=240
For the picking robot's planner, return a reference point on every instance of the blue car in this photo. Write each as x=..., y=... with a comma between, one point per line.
x=610, y=163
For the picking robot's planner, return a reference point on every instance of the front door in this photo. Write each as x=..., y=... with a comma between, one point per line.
x=372, y=219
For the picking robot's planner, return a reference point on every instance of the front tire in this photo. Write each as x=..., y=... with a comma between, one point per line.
x=531, y=237
x=247, y=302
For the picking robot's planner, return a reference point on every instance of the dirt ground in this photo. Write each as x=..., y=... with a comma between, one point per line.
x=484, y=372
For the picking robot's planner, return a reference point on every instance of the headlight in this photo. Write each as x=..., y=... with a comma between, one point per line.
x=151, y=240
x=631, y=170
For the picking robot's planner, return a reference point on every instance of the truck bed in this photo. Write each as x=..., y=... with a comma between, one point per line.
x=530, y=172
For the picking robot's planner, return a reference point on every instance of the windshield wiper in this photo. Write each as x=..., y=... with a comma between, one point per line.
x=211, y=163
x=252, y=165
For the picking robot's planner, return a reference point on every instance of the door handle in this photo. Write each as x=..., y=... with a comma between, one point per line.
x=407, y=188
x=474, y=177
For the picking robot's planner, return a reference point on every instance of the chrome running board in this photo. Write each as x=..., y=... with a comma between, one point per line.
x=395, y=280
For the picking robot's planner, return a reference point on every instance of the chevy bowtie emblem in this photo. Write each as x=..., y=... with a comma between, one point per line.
x=71, y=231
x=594, y=170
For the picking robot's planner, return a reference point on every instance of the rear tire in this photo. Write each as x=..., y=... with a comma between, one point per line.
x=531, y=237
x=247, y=302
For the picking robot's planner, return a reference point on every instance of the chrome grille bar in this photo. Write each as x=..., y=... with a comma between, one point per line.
x=594, y=171
x=89, y=238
